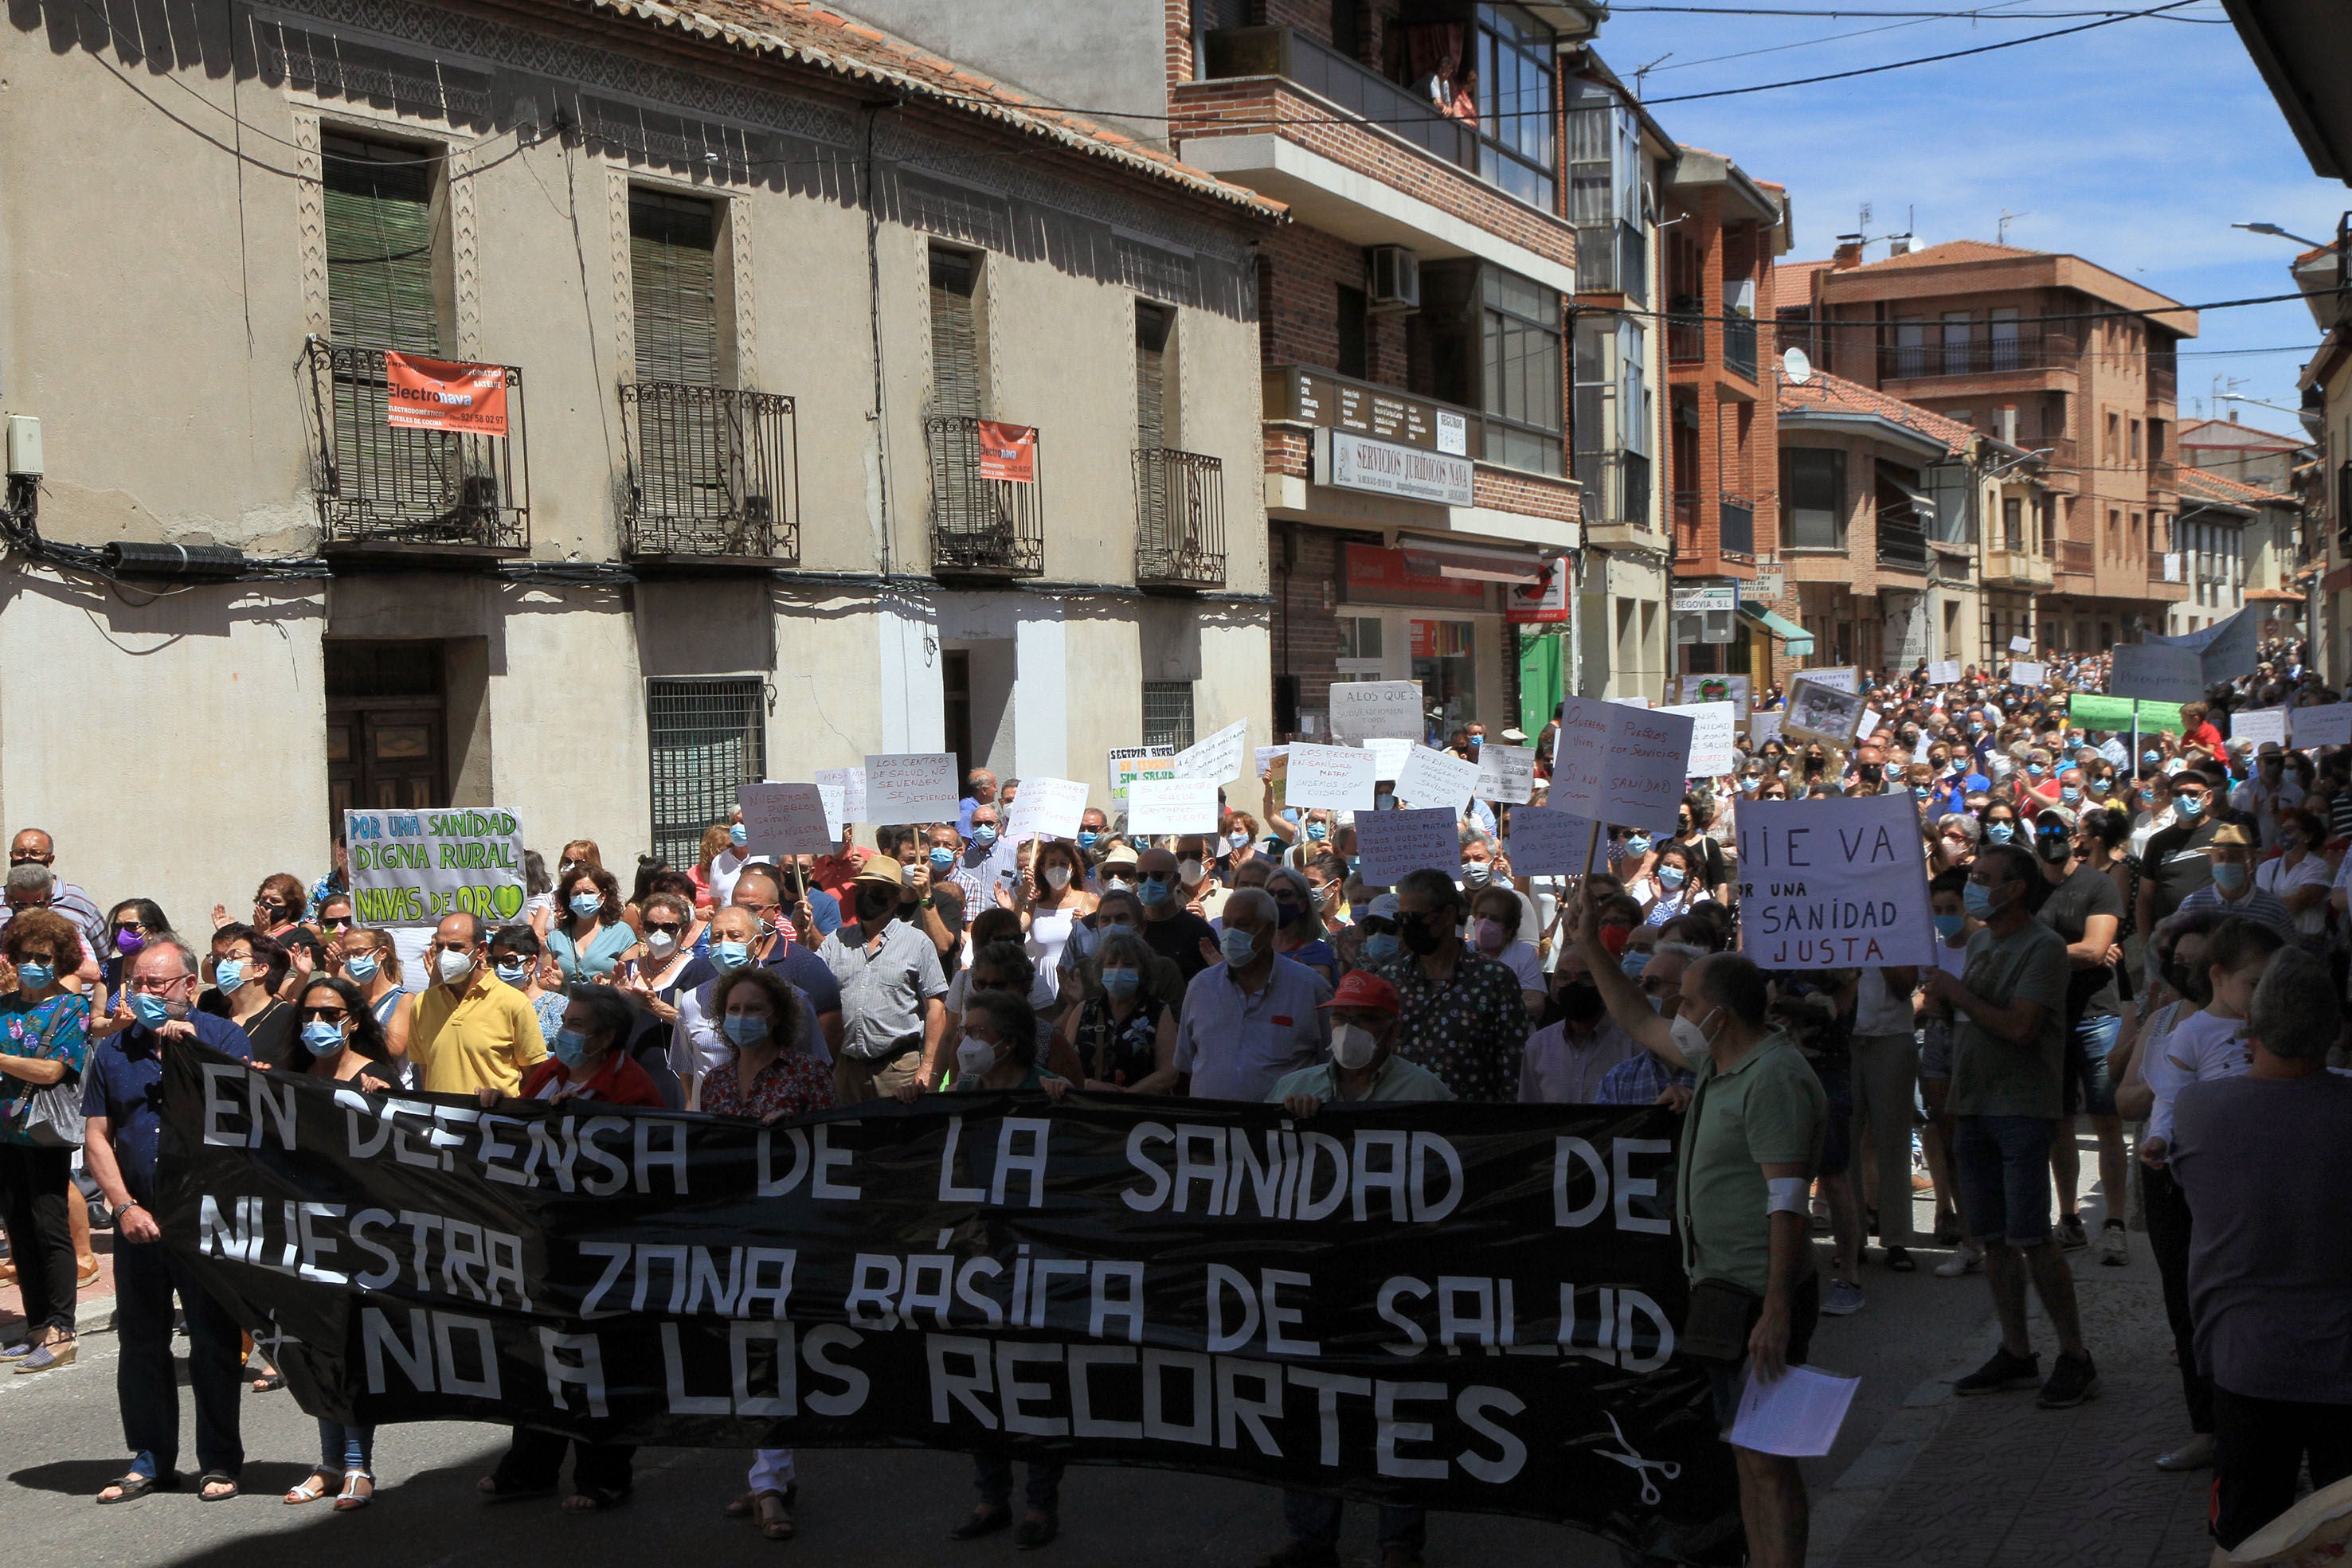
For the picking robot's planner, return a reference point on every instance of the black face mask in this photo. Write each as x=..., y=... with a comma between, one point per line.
x=2192, y=985
x=1871, y=772
x=1580, y=1002
x=1422, y=935
x=876, y=903
x=2053, y=848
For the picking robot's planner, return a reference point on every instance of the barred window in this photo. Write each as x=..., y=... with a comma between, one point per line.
x=1168, y=714
x=709, y=739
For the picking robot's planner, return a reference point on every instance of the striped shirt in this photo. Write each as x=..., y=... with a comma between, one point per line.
x=2256, y=904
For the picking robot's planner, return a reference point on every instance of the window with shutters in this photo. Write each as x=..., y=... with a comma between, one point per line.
x=959, y=377
x=384, y=240
x=674, y=288
x=1152, y=326
x=1180, y=523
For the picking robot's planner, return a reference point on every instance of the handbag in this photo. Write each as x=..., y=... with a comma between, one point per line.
x=1720, y=1318
x=53, y=1118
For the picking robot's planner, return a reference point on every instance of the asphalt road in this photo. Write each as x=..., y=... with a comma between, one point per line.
x=856, y=1507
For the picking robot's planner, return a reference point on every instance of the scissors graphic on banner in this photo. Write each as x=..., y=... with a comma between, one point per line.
x=1670, y=1468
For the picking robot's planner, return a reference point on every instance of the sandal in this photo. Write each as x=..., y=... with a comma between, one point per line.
x=85, y=1278
x=494, y=1490
x=596, y=1500
x=745, y=1504
x=270, y=1383
x=1899, y=1259
x=359, y=1490
x=312, y=1488
x=216, y=1479
x=134, y=1485
x=775, y=1516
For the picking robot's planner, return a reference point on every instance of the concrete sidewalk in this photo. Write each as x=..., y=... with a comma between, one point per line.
x=1996, y=1482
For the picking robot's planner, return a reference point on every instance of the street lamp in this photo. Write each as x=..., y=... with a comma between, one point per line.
x=2278, y=233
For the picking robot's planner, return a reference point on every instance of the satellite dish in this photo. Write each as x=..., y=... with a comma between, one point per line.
x=1796, y=366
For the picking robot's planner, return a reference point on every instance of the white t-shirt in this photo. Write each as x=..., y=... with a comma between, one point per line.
x=2273, y=877
x=2198, y=1047
x=1522, y=960
x=1042, y=990
x=725, y=867
x=1878, y=1010
x=1953, y=961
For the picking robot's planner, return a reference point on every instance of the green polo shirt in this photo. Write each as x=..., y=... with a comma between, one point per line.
x=1397, y=1080
x=1768, y=1109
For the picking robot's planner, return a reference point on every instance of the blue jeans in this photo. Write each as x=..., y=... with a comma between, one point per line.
x=1313, y=1522
x=342, y=1447
x=2090, y=1089
x=991, y=1473
x=2003, y=1165
x=145, y=1382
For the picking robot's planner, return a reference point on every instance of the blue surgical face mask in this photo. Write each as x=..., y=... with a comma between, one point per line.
x=1950, y=926
x=1319, y=832
x=362, y=966
x=1979, y=899
x=983, y=835
x=739, y=835
x=745, y=1029
x=1238, y=839
x=1976, y=729
x=322, y=1038
x=1153, y=891
x=1087, y=837
x=33, y=974
x=2034, y=769
x=1238, y=946
x=152, y=1012
x=1672, y=876
x=2150, y=759
x=1920, y=790
x=228, y=974
x=731, y=955
x=571, y=1047
x=942, y=857
x=585, y=905
x=2228, y=877
x=2070, y=793
x=1121, y=982
x=513, y=971
x=2189, y=804
x=2000, y=833
x=1381, y=947
x=1637, y=843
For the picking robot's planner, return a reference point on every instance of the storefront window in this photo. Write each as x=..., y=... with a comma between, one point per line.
x=1444, y=661
x=1360, y=648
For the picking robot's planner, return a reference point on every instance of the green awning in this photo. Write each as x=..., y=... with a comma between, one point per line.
x=1800, y=641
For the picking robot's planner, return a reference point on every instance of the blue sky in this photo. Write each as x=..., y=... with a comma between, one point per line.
x=2135, y=146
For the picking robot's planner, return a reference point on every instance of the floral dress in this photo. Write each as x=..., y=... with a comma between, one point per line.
x=54, y=1030
x=794, y=1085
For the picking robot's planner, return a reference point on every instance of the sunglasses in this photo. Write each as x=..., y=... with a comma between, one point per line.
x=131, y=925
x=672, y=926
x=324, y=1015
x=334, y=923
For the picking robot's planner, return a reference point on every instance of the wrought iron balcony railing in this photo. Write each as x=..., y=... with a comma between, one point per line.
x=1736, y=526
x=983, y=526
x=1616, y=489
x=390, y=486
x=1180, y=519
x=714, y=473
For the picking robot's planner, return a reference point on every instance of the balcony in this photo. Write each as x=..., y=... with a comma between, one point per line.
x=2013, y=568
x=1902, y=544
x=1686, y=330
x=2163, y=474
x=1180, y=519
x=1980, y=356
x=2074, y=557
x=1329, y=74
x=2164, y=566
x=713, y=476
x=2163, y=382
x=430, y=497
x=1740, y=345
x=1613, y=259
x=982, y=525
x=1735, y=526
x=1616, y=489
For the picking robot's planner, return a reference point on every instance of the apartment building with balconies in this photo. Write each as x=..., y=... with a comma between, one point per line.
x=585, y=413
x=1419, y=494
x=2057, y=355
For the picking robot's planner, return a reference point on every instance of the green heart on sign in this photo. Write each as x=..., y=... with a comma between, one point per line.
x=508, y=902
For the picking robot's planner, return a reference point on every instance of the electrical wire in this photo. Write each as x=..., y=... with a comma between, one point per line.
x=1799, y=44
x=1982, y=13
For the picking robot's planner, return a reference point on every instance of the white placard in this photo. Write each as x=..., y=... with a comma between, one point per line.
x=1388, y=756
x=2027, y=674
x=1545, y=842
x=1433, y=778
x=1156, y=806
x=1505, y=773
x=912, y=786
x=1868, y=724
x=1620, y=765
x=1047, y=808
x=1838, y=678
x=2328, y=725
x=1821, y=713
x=835, y=817
x=1737, y=690
x=1764, y=725
x=1128, y=763
x=851, y=782
x=1394, y=842
x=1711, y=737
x=1944, y=673
x=787, y=819
x=2259, y=725
x=1218, y=758
x=2225, y=651
x=1328, y=778
x=2156, y=672
x=2020, y=644
x=1265, y=756
x=1376, y=710
x=1835, y=883
x=1637, y=700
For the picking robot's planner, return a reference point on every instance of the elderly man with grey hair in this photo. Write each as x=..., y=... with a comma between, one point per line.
x=1252, y=1018
x=35, y=847
x=2266, y=1159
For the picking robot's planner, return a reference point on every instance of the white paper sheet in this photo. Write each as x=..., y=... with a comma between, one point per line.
x=1797, y=1416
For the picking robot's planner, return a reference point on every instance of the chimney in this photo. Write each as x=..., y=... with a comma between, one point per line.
x=2233, y=416
x=1848, y=254
x=1898, y=245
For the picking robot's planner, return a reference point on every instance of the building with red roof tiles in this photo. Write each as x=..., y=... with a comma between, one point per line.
x=2237, y=544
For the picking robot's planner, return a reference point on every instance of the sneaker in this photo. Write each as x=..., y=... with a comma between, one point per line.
x=2002, y=1373
x=2072, y=1238
x=56, y=1353
x=1844, y=1300
x=2072, y=1380
x=2114, y=1251
x=1967, y=1259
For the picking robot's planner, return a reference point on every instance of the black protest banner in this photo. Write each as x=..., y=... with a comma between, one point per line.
x=1468, y=1307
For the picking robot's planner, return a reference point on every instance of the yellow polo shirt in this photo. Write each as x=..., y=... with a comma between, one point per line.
x=485, y=1038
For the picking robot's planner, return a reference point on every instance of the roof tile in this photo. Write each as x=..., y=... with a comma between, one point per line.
x=1823, y=390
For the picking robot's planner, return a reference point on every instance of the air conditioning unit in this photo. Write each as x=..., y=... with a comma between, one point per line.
x=1396, y=277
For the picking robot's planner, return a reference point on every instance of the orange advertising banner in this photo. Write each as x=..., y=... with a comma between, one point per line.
x=1008, y=452
x=444, y=394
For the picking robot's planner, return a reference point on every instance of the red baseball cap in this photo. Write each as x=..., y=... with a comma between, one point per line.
x=1363, y=989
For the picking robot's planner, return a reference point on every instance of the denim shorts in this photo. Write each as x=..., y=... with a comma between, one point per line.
x=2003, y=1165
x=2088, y=1087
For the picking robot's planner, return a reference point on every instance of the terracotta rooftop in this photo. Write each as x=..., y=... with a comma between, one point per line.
x=2215, y=486
x=1791, y=283
x=1838, y=395
x=1955, y=250
x=808, y=34
x=2235, y=435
